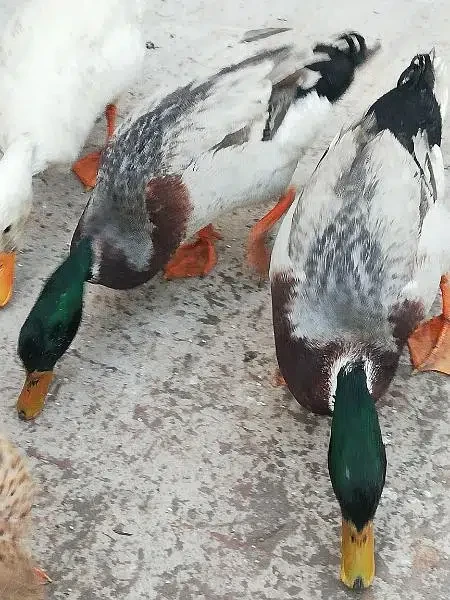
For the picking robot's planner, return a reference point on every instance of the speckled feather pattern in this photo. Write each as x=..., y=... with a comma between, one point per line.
x=206, y=134
x=161, y=424
x=354, y=250
x=16, y=493
x=17, y=580
x=178, y=135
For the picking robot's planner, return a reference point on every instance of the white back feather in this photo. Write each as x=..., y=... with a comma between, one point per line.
x=60, y=63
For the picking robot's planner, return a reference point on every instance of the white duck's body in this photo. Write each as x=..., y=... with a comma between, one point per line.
x=180, y=161
x=358, y=257
x=61, y=62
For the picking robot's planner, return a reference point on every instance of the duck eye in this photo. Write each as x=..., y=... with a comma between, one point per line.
x=7, y=229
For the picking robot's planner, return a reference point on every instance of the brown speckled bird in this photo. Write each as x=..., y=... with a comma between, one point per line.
x=19, y=579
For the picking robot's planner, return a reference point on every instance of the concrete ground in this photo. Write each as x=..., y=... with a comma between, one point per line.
x=168, y=466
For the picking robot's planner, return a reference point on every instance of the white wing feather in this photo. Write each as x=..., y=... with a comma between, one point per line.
x=237, y=100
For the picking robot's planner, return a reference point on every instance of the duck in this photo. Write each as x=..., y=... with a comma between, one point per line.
x=355, y=268
x=61, y=64
x=176, y=163
x=20, y=579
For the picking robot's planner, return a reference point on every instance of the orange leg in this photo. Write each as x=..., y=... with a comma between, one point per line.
x=86, y=168
x=195, y=259
x=278, y=379
x=42, y=576
x=258, y=256
x=429, y=344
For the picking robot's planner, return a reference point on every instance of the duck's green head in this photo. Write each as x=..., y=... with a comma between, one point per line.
x=357, y=467
x=51, y=326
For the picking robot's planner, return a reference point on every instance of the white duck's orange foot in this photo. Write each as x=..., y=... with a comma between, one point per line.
x=42, y=576
x=7, y=270
x=86, y=168
x=429, y=344
x=195, y=259
x=258, y=256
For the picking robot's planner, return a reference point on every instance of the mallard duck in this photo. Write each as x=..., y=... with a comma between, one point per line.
x=61, y=62
x=173, y=166
x=355, y=267
x=19, y=579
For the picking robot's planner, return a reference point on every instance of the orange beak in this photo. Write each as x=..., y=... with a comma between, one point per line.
x=32, y=397
x=7, y=267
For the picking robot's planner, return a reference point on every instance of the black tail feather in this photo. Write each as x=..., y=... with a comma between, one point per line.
x=337, y=69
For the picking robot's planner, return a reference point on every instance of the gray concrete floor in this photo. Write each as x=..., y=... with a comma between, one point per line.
x=159, y=426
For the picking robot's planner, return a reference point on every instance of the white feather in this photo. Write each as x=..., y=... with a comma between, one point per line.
x=61, y=62
x=237, y=100
x=301, y=124
x=262, y=170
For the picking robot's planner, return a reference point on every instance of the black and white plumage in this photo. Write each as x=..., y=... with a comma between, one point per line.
x=181, y=160
x=358, y=257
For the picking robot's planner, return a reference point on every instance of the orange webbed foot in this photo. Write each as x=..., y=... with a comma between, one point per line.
x=42, y=576
x=86, y=168
x=194, y=259
x=278, y=379
x=7, y=270
x=429, y=344
x=258, y=255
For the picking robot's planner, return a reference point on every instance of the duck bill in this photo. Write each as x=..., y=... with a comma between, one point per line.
x=7, y=268
x=32, y=397
x=358, y=555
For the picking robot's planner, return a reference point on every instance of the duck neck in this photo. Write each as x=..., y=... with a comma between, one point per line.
x=356, y=456
x=54, y=319
x=81, y=259
x=357, y=467
x=16, y=172
x=18, y=157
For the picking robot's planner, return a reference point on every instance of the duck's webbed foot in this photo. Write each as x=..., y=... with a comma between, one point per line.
x=7, y=271
x=194, y=259
x=278, y=379
x=429, y=344
x=258, y=256
x=86, y=168
x=42, y=576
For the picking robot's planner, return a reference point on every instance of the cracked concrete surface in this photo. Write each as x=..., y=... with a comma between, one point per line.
x=168, y=466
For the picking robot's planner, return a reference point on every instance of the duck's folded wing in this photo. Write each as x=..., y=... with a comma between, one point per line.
x=200, y=116
x=435, y=214
x=228, y=109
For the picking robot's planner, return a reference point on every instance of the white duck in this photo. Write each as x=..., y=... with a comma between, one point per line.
x=355, y=268
x=175, y=164
x=61, y=63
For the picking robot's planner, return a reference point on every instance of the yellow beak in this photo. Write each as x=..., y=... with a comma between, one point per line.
x=32, y=397
x=358, y=555
x=7, y=267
